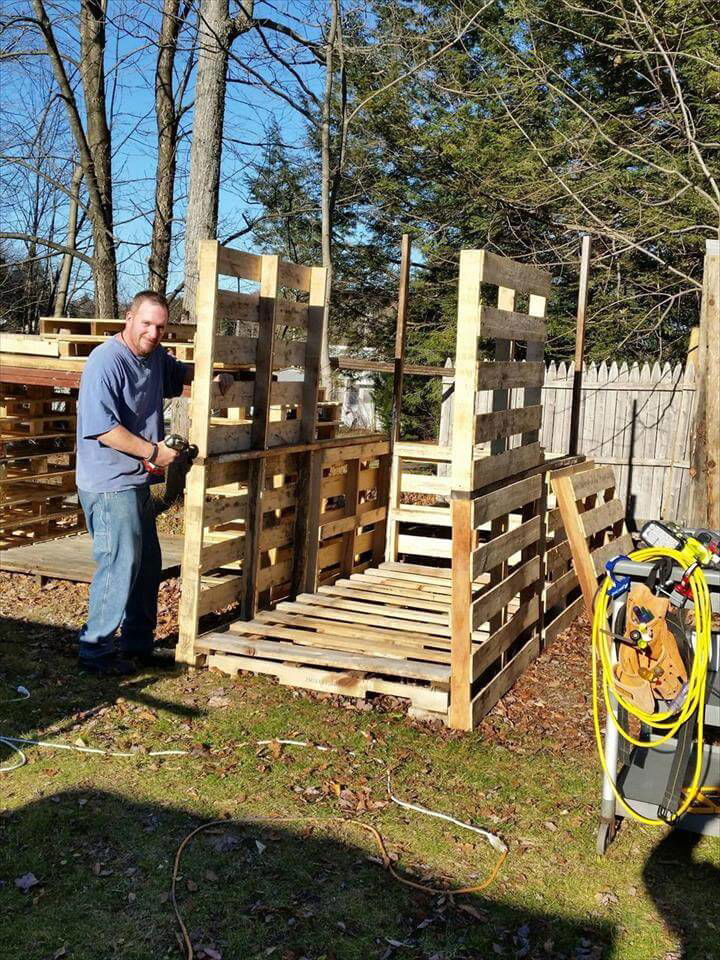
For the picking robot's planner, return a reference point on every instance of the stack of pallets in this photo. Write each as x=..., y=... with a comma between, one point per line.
x=37, y=466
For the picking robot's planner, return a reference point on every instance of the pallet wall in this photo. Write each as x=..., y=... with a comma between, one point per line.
x=37, y=464
x=246, y=515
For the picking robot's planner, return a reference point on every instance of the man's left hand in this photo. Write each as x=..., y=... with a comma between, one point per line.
x=224, y=381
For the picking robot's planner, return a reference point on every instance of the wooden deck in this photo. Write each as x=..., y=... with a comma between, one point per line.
x=70, y=558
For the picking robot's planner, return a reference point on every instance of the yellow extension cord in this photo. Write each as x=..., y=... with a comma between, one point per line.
x=666, y=724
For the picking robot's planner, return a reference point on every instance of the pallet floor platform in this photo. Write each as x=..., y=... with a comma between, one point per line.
x=383, y=631
x=70, y=558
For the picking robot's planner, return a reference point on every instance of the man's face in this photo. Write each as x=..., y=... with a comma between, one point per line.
x=144, y=328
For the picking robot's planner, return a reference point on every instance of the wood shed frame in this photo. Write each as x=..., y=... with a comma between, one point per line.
x=342, y=584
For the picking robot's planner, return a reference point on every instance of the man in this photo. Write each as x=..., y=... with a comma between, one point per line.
x=120, y=424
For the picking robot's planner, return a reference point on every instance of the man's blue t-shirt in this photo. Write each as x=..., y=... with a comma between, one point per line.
x=118, y=388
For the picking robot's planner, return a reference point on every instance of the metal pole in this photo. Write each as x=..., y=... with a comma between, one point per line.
x=579, y=346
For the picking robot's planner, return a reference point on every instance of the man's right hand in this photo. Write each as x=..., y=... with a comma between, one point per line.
x=165, y=455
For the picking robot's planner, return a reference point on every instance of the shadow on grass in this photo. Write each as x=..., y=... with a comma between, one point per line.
x=680, y=887
x=43, y=658
x=103, y=866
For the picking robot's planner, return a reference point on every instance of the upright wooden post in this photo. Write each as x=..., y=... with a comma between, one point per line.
x=199, y=427
x=259, y=430
x=710, y=316
x=394, y=477
x=463, y=478
x=304, y=577
x=400, y=338
x=579, y=346
x=705, y=454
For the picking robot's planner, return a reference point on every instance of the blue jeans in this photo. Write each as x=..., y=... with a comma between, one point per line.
x=124, y=588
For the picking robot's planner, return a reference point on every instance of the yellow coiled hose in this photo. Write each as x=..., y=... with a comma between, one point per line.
x=664, y=724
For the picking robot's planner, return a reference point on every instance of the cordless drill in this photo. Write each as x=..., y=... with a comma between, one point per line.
x=175, y=442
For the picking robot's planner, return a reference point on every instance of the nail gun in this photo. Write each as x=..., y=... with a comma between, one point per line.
x=175, y=442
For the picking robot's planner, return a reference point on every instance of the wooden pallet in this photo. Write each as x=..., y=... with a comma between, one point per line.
x=593, y=520
x=37, y=464
x=384, y=631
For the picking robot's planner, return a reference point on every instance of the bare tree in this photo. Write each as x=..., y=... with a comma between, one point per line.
x=63, y=283
x=92, y=139
x=168, y=113
x=216, y=32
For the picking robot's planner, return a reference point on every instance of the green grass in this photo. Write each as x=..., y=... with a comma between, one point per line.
x=100, y=834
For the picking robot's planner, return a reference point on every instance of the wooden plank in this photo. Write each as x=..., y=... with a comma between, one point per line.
x=274, y=576
x=622, y=545
x=522, y=277
x=503, y=501
x=505, y=374
x=424, y=546
x=489, y=555
x=28, y=344
x=421, y=483
x=492, y=601
x=216, y=595
x=510, y=325
x=420, y=452
x=415, y=593
x=214, y=555
x=231, y=438
x=435, y=624
x=305, y=567
x=433, y=516
x=507, y=423
x=365, y=451
x=400, y=339
x=225, y=509
x=318, y=632
x=399, y=667
x=565, y=494
x=579, y=345
x=587, y=482
x=296, y=275
x=353, y=588
x=242, y=351
x=600, y=517
x=189, y=610
x=237, y=263
x=265, y=647
x=556, y=591
x=439, y=578
x=493, y=468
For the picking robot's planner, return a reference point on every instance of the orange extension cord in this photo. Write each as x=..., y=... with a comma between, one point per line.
x=274, y=821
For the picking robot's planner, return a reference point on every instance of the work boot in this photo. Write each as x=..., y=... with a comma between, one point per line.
x=107, y=666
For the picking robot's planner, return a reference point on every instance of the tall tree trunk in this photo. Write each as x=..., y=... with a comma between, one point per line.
x=166, y=115
x=92, y=72
x=63, y=284
x=216, y=31
x=94, y=148
x=207, y=130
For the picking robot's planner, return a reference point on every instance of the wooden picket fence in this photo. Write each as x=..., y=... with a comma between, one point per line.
x=637, y=419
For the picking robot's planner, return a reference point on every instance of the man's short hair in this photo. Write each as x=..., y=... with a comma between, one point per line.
x=148, y=296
